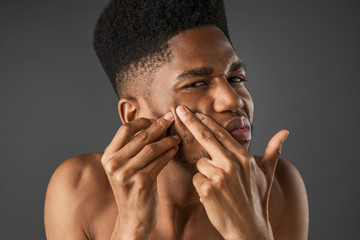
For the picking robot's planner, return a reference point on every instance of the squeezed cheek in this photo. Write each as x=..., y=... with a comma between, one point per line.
x=194, y=105
x=165, y=102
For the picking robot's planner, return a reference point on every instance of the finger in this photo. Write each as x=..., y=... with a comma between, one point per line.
x=272, y=153
x=155, y=166
x=202, y=184
x=202, y=134
x=144, y=157
x=223, y=136
x=146, y=136
x=125, y=133
x=205, y=167
x=151, y=152
x=187, y=139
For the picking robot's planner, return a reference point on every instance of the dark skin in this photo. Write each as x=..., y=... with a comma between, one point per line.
x=183, y=176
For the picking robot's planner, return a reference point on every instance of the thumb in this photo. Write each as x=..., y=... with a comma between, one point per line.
x=272, y=153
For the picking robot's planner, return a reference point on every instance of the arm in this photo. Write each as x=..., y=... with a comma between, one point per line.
x=132, y=162
x=62, y=213
x=290, y=220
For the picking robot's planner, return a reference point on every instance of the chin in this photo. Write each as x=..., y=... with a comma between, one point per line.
x=246, y=144
x=188, y=155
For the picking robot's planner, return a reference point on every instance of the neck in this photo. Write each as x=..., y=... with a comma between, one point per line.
x=179, y=204
x=175, y=186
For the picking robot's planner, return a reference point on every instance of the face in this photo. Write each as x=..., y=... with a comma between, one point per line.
x=205, y=75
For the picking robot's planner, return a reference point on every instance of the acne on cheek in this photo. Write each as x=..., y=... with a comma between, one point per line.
x=178, y=128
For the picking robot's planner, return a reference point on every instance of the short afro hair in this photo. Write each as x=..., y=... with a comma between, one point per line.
x=131, y=36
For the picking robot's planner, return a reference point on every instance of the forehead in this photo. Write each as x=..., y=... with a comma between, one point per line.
x=204, y=46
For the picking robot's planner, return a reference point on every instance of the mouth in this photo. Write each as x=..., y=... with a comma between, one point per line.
x=239, y=128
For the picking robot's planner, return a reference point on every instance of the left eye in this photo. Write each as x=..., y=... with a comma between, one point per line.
x=236, y=79
x=195, y=84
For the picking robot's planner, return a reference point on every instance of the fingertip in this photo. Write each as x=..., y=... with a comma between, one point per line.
x=286, y=134
x=181, y=110
x=177, y=138
x=169, y=116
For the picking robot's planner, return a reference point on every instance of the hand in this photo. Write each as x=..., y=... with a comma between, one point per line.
x=132, y=167
x=233, y=188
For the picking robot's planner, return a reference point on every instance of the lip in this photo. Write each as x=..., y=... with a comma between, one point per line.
x=239, y=128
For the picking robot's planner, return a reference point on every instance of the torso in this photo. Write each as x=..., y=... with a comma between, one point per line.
x=99, y=211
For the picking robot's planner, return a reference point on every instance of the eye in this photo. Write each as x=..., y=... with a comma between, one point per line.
x=237, y=79
x=196, y=84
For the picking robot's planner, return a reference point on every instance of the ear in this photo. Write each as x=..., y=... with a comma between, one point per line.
x=128, y=109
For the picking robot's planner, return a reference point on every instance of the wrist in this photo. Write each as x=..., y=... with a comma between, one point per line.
x=258, y=234
x=122, y=231
x=129, y=236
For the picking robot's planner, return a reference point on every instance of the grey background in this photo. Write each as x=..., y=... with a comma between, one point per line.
x=56, y=102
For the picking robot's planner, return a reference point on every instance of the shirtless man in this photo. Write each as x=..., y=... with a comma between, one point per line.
x=179, y=166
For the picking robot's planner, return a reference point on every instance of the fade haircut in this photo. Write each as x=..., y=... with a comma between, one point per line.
x=131, y=36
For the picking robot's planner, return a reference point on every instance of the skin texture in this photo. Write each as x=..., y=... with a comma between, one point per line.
x=172, y=171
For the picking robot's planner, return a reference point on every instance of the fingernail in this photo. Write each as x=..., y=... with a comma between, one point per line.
x=200, y=116
x=177, y=138
x=181, y=110
x=169, y=116
x=287, y=135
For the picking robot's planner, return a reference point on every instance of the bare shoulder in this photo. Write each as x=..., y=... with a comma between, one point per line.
x=78, y=180
x=76, y=172
x=288, y=207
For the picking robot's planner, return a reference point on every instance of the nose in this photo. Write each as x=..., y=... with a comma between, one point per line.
x=226, y=98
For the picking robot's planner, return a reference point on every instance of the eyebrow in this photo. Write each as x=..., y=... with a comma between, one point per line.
x=196, y=72
x=236, y=66
x=205, y=71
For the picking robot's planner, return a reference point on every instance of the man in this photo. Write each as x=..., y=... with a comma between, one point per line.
x=179, y=166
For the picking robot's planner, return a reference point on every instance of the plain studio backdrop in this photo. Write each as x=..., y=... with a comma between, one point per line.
x=56, y=102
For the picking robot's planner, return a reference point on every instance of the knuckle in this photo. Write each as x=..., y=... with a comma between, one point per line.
x=219, y=178
x=205, y=134
x=206, y=189
x=220, y=134
x=140, y=136
x=160, y=123
x=123, y=177
x=151, y=148
x=110, y=166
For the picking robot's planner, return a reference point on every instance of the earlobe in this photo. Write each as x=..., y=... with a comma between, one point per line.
x=128, y=109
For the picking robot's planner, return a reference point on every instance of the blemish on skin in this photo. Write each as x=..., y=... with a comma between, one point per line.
x=185, y=135
x=189, y=139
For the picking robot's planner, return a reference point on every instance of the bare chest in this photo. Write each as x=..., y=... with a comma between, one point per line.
x=102, y=226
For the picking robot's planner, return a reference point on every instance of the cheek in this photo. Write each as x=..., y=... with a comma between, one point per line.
x=195, y=103
x=250, y=107
x=168, y=102
x=249, y=104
